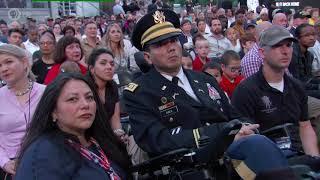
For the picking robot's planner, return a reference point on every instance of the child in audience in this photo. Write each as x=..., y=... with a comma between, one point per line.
x=213, y=69
x=231, y=72
x=202, y=51
x=247, y=42
x=70, y=66
x=186, y=60
x=233, y=37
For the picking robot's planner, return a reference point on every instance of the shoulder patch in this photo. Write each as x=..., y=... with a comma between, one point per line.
x=131, y=87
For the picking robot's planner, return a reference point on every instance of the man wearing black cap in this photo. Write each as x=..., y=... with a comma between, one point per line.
x=50, y=22
x=271, y=97
x=171, y=108
x=300, y=17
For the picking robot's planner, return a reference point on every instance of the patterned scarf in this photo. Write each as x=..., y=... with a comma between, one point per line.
x=100, y=159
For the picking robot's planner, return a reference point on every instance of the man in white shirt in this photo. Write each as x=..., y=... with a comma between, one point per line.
x=218, y=44
x=31, y=44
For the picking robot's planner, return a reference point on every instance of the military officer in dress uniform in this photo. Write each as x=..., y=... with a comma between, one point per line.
x=171, y=108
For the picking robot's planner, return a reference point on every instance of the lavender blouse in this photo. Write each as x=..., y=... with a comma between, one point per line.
x=13, y=120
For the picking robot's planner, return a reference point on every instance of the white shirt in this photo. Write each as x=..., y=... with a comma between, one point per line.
x=183, y=83
x=252, y=4
x=30, y=47
x=315, y=50
x=279, y=85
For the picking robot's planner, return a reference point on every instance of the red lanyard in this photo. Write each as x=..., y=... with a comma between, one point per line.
x=100, y=159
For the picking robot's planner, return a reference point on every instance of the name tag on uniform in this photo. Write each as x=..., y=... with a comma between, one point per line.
x=168, y=109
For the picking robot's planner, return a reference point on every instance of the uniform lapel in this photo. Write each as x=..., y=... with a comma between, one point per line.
x=198, y=87
x=171, y=91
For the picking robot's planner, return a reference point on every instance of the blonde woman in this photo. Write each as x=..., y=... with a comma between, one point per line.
x=121, y=48
x=19, y=99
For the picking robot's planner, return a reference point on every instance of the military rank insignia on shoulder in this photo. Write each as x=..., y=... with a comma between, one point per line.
x=131, y=87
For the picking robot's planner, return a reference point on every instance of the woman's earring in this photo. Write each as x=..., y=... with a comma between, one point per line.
x=54, y=120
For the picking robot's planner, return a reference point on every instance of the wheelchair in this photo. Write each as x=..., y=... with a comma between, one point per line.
x=285, y=136
x=184, y=164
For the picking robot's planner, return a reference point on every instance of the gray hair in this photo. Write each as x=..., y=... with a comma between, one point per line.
x=19, y=53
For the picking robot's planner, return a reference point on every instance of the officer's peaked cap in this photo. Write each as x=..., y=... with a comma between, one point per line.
x=154, y=27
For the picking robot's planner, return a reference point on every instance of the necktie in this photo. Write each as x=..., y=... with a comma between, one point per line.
x=175, y=80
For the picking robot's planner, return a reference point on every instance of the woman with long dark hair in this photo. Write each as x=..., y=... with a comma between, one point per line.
x=68, y=49
x=68, y=137
x=19, y=99
x=101, y=70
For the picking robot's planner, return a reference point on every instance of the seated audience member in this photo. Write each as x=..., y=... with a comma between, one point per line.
x=213, y=69
x=252, y=61
x=191, y=101
x=201, y=25
x=68, y=31
x=31, y=45
x=247, y=42
x=186, y=36
x=202, y=51
x=240, y=21
x=218, y=43
x=70, y=66
x=68, y=49
x=15, y=37
x=300, y=17
x=42, y=65
x=186, y=60
x=250, y=28
x=121, y=48
x=264, y=16
x=101, y=71
x=19, y=99
x=57, y=31
x=233, y=37
x=91, y=39
x=68, y=136
x=231, y=76
x=314, y=16
x=301, y=63
x=270, y=97
x=280, y=19
x=315, y=50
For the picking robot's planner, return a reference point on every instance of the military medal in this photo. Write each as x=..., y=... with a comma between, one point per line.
x=213, y=93
x=164, y=100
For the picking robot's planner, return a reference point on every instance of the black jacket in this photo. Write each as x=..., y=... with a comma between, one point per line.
x=50, y=158
x=163, y=116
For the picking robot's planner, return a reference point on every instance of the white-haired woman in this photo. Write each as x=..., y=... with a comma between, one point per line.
x=18, y=100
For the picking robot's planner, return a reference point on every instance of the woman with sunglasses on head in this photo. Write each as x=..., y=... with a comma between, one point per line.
x=42, y=65
x=68, y=137
x=68, y=49
x=19, y=99
x=101, y=67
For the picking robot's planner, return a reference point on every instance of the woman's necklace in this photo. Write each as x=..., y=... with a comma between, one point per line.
x=25, y=91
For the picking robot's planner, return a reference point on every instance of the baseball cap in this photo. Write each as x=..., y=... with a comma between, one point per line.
x=249, y=25
x=274, y=35
x=301, y=14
